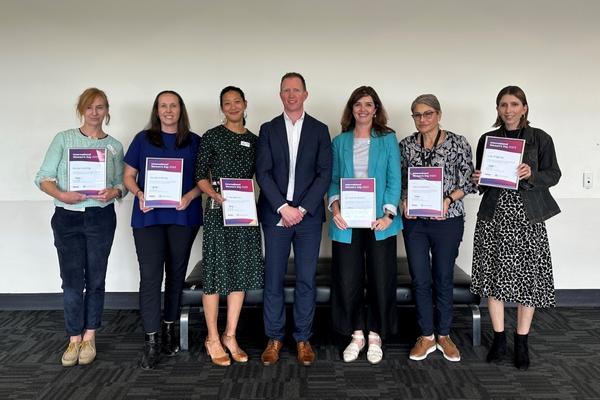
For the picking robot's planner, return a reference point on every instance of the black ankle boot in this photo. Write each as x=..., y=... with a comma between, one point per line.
x=169, y=341
x=498, y=349
x=521, y=351
x=151, y=351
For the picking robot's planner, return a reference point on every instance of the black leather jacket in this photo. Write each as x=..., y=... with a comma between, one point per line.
x=539, y=154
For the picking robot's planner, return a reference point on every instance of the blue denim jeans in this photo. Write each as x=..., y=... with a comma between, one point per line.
x=83, y=241
x=431, y=249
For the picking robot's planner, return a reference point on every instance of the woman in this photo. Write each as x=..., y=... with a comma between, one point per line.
x=366, y=148
x=432, y=243
x=232, y=256
x=83, y=225
x=511, y=254
x=163, y=236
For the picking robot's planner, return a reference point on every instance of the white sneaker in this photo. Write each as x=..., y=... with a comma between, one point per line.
x=375, y=353
x=352, y=351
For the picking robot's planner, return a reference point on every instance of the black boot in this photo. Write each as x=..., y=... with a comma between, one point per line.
x=151, y=351
x=498, y=349
x=169, y=341
x=521, y=351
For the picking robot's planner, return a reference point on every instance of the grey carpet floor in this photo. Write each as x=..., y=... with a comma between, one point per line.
x=565, y=350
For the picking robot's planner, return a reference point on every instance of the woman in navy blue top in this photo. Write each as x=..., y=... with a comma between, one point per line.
x=163, y=236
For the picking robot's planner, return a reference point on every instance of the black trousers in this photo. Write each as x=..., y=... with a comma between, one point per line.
x=350, y=263
x=162, y=248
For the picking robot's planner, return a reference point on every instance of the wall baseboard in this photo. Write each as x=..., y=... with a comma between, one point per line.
x=130, y=300
x=54, y=301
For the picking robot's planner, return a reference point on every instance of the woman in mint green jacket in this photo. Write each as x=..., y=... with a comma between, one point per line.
x=84, y=221
x=367, y=148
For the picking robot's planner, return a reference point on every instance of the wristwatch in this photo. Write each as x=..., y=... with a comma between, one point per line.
x=390, y=216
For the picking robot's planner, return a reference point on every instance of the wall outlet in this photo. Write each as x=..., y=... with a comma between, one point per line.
x=588, y=179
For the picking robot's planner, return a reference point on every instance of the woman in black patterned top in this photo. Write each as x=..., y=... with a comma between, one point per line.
x=432, y=243
x=231, y=256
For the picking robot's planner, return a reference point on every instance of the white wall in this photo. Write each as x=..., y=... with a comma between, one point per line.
x=463, y=51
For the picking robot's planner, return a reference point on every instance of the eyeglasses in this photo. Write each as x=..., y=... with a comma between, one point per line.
x=425, y=115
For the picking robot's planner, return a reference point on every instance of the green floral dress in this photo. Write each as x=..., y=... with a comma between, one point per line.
x=231, y=256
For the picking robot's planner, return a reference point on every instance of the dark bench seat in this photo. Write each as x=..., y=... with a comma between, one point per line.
x=192, y=293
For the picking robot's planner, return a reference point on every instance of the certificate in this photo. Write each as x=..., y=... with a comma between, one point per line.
x=163, y=182
x=501, y=158
x=357, y=201
x=87, y=171
x=425, y=192
x=239, y=207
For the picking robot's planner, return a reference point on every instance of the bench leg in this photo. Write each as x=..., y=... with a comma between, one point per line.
x=476, y=324
x=184, y=328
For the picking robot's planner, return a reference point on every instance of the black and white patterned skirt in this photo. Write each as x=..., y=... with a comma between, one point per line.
x=511, y=257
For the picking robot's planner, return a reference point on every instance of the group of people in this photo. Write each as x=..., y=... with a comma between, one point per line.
x=297, y=166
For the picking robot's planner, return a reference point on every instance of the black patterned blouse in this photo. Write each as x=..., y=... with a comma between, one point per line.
x=454, y=154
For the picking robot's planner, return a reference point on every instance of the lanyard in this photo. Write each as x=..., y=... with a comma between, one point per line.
x=427, y=160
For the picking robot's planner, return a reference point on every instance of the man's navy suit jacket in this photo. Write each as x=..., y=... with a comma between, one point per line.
x=313, y=169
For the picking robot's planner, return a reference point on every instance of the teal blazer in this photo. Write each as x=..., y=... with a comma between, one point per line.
x=384, y=166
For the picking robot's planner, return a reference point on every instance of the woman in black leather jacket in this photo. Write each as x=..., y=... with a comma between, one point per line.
x=511, y=254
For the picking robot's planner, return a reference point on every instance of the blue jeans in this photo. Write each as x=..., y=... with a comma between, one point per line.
x=83, y=241
x=431, y=249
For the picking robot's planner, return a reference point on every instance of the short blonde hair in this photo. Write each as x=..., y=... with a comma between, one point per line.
x=87, y=98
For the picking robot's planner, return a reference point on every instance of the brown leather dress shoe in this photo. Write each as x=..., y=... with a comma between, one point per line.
x=306, y=355
x=271, y=354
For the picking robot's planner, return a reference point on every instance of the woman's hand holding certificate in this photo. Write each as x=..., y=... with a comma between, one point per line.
x=501, y=163
x=163, y=182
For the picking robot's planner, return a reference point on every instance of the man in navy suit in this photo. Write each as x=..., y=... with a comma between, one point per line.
x=293, y=170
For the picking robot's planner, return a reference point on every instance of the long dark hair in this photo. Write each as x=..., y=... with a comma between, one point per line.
x=153, y=130
x=379, y=120
x=232, y=89
x=519, y=94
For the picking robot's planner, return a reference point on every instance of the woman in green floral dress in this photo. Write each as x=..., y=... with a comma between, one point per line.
x=231, y=256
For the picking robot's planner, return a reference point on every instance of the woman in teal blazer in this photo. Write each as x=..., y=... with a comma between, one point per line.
x=367, y=148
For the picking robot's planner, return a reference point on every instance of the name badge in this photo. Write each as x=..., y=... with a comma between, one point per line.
x=245, y=144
